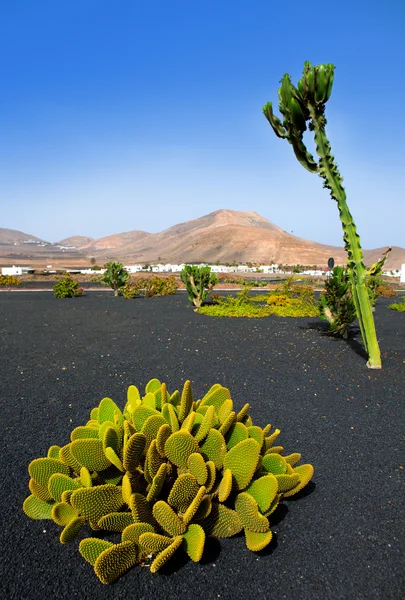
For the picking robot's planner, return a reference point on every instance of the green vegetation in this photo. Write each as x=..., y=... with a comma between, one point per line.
x=9, y=280
x=199, y=281
x=67, y=287
x=115, y=276
x=149, y=287
x=306, y=103
x=164, y=473
x=292, y=301
x=336, y=303
x=398, y=306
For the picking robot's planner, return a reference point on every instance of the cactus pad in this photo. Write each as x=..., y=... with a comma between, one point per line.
x=164, y=473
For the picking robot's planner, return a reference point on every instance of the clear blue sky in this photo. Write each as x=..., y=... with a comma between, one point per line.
x=132, y=114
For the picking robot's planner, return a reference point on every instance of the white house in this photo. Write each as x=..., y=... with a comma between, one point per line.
x=133, y=268
x=11, y=270
x=402, y=279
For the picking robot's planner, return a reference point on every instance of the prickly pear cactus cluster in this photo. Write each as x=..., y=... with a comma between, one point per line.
x=163, y=473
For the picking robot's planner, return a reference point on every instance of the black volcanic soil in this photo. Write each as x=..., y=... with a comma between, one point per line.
x=343, y=539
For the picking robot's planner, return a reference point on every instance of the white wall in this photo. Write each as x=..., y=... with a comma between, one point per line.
x=402, y=279
x=11, y=270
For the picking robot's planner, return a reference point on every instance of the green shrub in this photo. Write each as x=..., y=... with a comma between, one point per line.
x=398, y=306
x=67, y=287
x=336, y=303
x=386, y=291
x=163, y=473
x=9, y=280
x=150, y=287
x=115, y=276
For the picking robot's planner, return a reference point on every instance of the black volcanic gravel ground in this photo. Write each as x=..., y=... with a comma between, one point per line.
x=343, y=539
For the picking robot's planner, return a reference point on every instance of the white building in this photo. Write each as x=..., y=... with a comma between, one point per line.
x=402, y=279
x=11, y=270
x=133, y=268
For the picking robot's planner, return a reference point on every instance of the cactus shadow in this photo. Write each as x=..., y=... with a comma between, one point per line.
x=323, y=329
x=306, y=491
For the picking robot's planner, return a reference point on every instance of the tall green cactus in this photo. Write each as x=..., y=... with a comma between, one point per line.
x=199, y=281
x=306, y=103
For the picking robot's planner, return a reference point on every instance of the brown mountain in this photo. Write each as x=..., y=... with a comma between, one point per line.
x=78, y=241
x=11, y=236
x=226, y=236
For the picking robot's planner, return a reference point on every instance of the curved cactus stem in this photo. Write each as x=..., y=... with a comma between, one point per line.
x=357, y=272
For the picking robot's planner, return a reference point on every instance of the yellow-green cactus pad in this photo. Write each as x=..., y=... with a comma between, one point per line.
x=183, y=492
x=90, y=454
x=133, y=398
x=243, y=413
x=264, y=491
x=91, y=548
x=194, y=540
x=133, y=532
x=306, y=473
x=85, y=477
x=116, y=521
x=247, y=420
x=66, y=496
x=257, y=434
x=188, y=422
x=212, y=475
x=154, y=459
x=157, y=483
x=213, y=448
x=186, y=401
x=168, y=519
x=161, y=396
x=242, y=460
x=175, y=398
x=266, y=429
x=104, y=426
x=141, y=413
x=226, y=425
x=203, y=510
x=140, y=509
x=40, y=491
x=179, y=446
x=93, y=503
x=274, y=463
x=151, y=427
x=161, y=438
x=152, y=386
x=106, y=411
x=275, y=450
x=248, y=511
x=197, y=467
x=154, y=542
x=66, y=456
x=272, y=438
x=62, y=513
x=115, y=561
x=82, y=432
x=37, y=509
x=41, y=469
x=216, y=398
x=114, y=459
x=287, y=482
x=169, y=413
x=273, y=505
x=225, y=410
x=126, y=488
x=129, y=429
x=257, y=541
x=133, y=452
x=206, y=424
x=71, y=530
x=59, y=483
x=194, y=506
x=149, y=400
x=94, y=414
x=111, y=475
x=293, y=459
x=112, y=439
x=222, y=522
x=53, y=452
x=236, y=433
x=93, y=423
x=166, y=554
x=225, y=486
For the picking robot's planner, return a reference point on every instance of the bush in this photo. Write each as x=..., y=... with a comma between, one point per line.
x=398, y=306
x=150, y=286
x=9, y=280
x=386, y=291
x=67, y=287
x=137, y=473
x=115, y=276
x=336, y=303
x=199, y=282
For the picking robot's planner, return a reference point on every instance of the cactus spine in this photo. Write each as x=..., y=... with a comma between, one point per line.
x=300, y=105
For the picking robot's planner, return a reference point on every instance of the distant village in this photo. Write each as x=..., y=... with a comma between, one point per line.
x=272, y=269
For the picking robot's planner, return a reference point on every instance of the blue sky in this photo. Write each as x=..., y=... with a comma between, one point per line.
x=134, y=114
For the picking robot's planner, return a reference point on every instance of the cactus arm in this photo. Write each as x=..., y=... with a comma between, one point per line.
x=357, y=272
